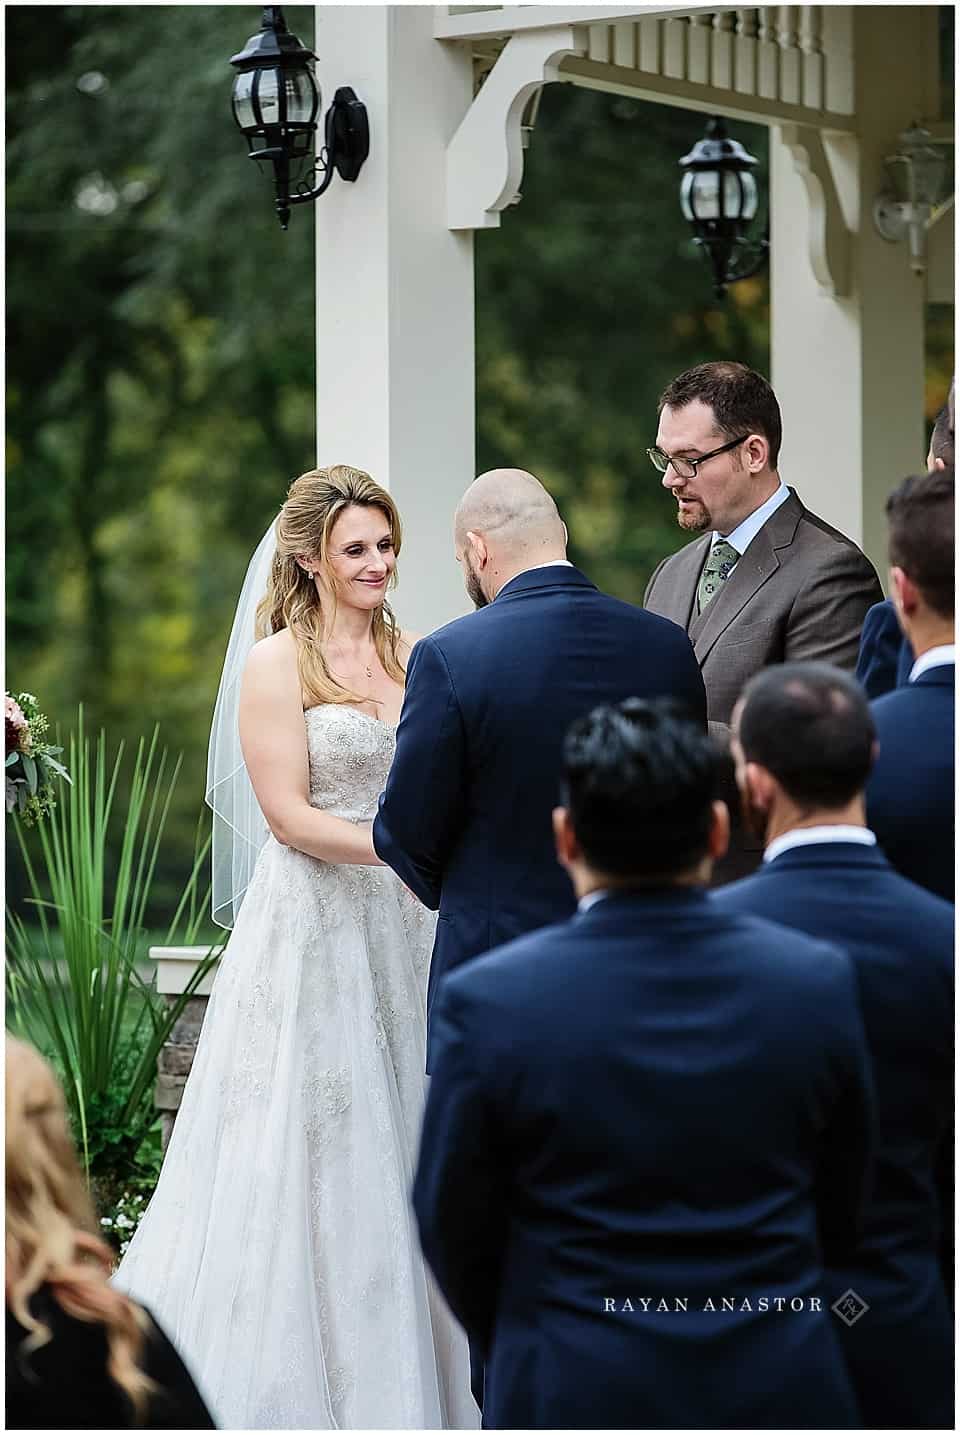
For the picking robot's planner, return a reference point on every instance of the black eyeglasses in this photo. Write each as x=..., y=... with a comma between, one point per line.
x=687, y=467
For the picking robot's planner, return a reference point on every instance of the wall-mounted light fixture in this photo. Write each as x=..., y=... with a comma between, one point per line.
x=915, y=174
x=276, y=104
x=718, y=195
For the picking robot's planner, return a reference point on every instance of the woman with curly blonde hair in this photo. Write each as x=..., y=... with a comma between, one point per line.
x=280, y=1249
x=79, y=1354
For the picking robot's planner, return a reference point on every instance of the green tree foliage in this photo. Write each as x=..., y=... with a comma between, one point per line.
x=161, y=366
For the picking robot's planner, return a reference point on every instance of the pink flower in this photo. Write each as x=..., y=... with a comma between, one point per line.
x=18, y=735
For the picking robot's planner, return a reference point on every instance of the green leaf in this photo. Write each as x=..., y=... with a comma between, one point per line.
x=12, y=757
x=29, y=772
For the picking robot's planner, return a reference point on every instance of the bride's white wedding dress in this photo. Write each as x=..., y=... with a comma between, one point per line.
x=279, y=1250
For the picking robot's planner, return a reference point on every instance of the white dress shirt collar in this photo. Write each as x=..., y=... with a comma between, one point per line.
x=554, y=563
x=810, y=836
x=592, y=898
x=745, y=532
x=933, y=658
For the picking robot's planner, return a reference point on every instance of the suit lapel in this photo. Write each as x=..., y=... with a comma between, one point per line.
x=758, y=564
x=676, y=599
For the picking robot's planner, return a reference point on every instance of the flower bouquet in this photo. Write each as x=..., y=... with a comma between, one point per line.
x=31, y=766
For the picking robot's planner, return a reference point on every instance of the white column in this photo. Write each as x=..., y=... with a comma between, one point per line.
x=849, y=371
x=395, y=295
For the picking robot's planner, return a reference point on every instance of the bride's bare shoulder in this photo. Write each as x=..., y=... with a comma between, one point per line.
x=406, y=645
x=272, y=658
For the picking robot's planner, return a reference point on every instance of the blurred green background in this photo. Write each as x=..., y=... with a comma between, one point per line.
x=161, y=354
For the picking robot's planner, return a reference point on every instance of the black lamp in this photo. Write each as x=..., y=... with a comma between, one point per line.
x=276, y=104
x=718, y=195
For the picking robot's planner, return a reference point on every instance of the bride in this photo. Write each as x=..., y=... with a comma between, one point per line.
x=279, y=1250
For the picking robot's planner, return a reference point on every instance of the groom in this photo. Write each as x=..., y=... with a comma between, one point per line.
x=465, y=819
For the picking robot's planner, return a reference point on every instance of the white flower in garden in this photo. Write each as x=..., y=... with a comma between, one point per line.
x=123, y=1223
x=105, y=1221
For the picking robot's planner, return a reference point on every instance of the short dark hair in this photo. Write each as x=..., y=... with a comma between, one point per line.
x=809, y=725
x=941, y=439
x=920, y=514
x=639, y=779
x=741, y=399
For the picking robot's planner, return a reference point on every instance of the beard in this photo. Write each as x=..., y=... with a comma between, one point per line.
x=475, y=593
x=696, y=519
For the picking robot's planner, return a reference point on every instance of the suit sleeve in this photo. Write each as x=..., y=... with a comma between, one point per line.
x=879, y=656
x=827, y=616
x=844, y=1168
x=460, y=1190
x=652, y=584
x=422, y=809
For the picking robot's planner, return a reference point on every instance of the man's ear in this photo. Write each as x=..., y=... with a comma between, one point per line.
x=757, y=452
x=759, y=785
x=565, y=839
x=478, y=548
x=904, y=592
x=719, y=839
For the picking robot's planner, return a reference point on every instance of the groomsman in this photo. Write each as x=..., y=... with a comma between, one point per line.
x=803, y=743
x=645, y=1123
x=885, y=657
x=769, y=581
x=910, y=795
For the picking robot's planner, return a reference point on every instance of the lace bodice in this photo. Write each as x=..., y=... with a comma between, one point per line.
x=350, y=756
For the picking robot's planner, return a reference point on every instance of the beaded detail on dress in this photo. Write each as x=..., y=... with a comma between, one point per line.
x=279, y=1251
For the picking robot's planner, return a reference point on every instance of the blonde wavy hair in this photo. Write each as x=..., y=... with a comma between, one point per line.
x=314, y=502
x=51, y=1227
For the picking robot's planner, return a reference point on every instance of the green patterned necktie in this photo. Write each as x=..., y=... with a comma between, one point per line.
x=717, y=569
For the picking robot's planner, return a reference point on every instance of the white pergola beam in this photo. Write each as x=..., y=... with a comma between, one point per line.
x=485, y=156
x=684, y=95
x=515, y=19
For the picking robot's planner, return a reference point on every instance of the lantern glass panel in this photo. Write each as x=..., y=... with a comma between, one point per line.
x=301, y=97
x=898, y=171
x=928, y=172
x=749, y=195
x=704, y=196
x=268, y=97
x=686, y=189
x=243, y=101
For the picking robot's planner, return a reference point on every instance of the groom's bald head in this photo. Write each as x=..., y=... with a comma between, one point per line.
x=511, y=509
x=505, y=523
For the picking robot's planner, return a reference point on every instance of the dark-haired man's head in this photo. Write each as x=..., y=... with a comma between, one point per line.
x=707, y=407
x=940, y=454
x=920, y=513
x=640, y=801
x=803, y=743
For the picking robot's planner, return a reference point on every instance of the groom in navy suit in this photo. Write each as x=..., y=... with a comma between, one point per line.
x=646, y=1124
x=465, y=818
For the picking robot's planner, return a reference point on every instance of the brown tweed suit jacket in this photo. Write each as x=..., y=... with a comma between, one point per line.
x=799, y=592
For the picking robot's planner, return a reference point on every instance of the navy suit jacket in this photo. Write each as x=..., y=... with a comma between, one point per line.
x=910, y=793
x=465, y=820
x=901, y=941
x=650, y=1100
x=885, y=656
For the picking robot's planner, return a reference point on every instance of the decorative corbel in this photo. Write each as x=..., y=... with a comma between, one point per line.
x=485, y=156
x=828, y=238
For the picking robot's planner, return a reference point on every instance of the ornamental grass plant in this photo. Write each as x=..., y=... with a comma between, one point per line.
x=73, y=987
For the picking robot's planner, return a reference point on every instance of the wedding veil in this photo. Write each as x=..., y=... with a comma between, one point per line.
x=239, y=827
